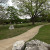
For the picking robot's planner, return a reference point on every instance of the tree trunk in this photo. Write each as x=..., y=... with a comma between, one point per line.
x=32, y=20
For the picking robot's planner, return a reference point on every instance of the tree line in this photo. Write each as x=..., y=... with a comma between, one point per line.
x=38, y=10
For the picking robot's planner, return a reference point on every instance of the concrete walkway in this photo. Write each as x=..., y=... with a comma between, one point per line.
x=6, y=44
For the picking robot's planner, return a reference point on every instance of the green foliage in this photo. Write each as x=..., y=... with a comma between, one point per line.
x=38, y=19
x=34, y=8
x=30, y=6
x=26, y=20
x=44, y=17
x=12, y=12
x=2, y=13
x=48, y=17
x=1, y=8
x=4, y=21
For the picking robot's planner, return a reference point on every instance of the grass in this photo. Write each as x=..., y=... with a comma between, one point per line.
x=11, y=33
x=44, y=34
x=19, y=29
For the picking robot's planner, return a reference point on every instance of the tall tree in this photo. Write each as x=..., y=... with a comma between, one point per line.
x=32, y=7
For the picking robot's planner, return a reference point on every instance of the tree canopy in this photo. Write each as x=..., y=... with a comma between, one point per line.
x=34, y=8
x=12, y=12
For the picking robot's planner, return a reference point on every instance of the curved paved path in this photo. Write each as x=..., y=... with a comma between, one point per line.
x=6, y=43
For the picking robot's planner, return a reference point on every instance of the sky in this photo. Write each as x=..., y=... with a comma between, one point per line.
x=9, y=3
x=6, y=2
x=3, y=1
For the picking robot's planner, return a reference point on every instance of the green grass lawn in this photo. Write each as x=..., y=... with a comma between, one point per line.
x=11, y=33
x=19, y=29
x=44, y=34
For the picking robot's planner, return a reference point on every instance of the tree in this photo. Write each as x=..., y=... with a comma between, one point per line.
x=1, y=8
x=34, y=8
x=48, y=17
x=2, y=13
x=12, y=12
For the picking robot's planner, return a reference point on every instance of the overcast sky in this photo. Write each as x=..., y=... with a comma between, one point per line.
x=3, y=1
x=8, y=2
